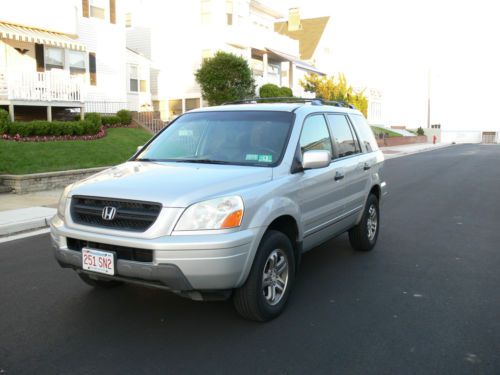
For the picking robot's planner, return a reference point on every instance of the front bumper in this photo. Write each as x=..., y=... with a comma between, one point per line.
x=180, y=263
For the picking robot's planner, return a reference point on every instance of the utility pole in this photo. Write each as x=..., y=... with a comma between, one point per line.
x=429, y=98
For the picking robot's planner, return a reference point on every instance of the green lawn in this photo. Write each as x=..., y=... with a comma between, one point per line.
x=376, y=130
x=31, y=157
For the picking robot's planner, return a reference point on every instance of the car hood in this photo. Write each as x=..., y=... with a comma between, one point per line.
x=171, y=184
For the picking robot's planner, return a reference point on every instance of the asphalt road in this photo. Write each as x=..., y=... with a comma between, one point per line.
x=425, y=301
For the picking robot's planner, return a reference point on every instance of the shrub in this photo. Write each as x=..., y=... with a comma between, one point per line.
x=420, y=131
x=4, y=120
x=111, y=120
x=94, y=118
x=55, y=128
x=125, y=116
x=286, y=92
x=225, y=77
x=269, y=90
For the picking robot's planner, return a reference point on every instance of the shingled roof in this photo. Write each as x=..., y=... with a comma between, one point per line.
x=308, y=36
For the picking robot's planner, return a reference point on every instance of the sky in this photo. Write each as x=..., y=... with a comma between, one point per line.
x=393, y=45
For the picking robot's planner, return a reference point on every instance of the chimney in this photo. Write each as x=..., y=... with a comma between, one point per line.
x=294, y=19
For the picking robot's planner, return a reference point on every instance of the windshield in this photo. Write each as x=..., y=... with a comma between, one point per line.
x=239, y=138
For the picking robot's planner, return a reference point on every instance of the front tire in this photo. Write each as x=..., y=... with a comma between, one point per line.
x=264, y=295
x=363, y=236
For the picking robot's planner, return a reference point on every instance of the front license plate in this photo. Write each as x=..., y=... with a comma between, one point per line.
x=98, y=261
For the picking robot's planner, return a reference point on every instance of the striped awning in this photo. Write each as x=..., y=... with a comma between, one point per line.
x=35, y=35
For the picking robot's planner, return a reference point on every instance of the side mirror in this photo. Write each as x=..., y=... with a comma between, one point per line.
x=314, y=159
x=139, y=148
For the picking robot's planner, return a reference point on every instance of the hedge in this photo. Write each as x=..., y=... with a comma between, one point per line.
x=270, y=90
x=57, y=128
x=4, y=120
x=125, y=116
x=111, y=120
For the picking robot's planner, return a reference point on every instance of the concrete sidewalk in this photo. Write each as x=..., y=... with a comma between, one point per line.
x=26, y=212
x=391, y=152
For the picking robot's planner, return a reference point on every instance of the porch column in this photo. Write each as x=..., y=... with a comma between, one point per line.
x=290, y=74
x=49, y=113
x=82, y=113
x=11, y=112
x=264, y=73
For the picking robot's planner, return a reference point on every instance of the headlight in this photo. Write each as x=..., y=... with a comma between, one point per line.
x=219, y=213
x=63, y=200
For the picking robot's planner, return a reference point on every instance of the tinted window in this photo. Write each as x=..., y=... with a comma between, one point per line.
x=239, y=137
x=315, y=135
x=365, y=132
x=345, y=142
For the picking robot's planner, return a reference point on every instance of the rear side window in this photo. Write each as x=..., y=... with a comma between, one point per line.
x=365, y=132
x=315, y=135
x=343, y=138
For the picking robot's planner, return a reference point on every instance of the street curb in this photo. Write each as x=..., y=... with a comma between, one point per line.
x=401, y=154
x=15, y=227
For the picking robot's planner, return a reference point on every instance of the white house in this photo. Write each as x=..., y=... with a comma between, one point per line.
x=56, y=55
x=177, y=36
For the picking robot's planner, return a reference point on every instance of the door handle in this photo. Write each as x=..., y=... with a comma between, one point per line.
x=366, y=166
x=338, y=176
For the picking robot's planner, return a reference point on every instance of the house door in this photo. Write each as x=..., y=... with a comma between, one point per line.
x=489, y=137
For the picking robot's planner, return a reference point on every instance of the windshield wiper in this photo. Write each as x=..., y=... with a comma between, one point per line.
x=146, y=159
x=201, y=161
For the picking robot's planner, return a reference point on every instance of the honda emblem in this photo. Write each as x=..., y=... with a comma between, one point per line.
x=108, y=213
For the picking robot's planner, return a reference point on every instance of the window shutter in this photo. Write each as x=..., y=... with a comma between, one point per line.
x=85, y=8
x=92, y=69
x=112, y=11
x=40, y=61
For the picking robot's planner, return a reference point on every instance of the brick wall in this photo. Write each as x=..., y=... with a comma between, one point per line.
x=396, y=141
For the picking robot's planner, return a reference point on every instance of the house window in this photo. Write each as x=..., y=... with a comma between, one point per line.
x=128, y=19
x=76, y=62
x=133, y=78
x=143, y=85
x=54, y=58
x=206, y=12
x=175, y=107
x=192, y=103
x=98, y=9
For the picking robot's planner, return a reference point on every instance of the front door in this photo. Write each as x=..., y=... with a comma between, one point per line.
x=322, y=201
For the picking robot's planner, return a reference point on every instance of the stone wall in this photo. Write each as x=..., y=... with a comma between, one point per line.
x=28, y=183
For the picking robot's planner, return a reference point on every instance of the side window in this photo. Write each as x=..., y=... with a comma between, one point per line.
x=345, y=141
x=315, y=135
x=365, y=133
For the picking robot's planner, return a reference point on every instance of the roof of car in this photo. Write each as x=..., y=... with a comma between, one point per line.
x=284, y=107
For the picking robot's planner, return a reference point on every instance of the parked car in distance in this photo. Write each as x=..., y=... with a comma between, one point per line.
x=224, y=201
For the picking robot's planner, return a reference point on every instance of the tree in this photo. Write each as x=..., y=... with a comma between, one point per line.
x=420, y=131
x=336, y=89
x=225, y=77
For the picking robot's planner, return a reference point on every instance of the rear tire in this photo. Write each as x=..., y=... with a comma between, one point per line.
x=100, y=284
x=264, y=295
x=363, y=236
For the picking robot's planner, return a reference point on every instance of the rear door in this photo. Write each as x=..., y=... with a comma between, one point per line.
x=349, y=157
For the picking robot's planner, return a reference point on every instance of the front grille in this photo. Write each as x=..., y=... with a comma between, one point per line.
x=134, y=216
x=122, y=252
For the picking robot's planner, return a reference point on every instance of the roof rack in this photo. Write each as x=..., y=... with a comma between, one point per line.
x=313, y=101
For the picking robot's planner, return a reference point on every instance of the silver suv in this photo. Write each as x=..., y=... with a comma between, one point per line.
x=224, y=201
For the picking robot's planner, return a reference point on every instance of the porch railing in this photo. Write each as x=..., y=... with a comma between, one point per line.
x=46, y=86
x=150, y=120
